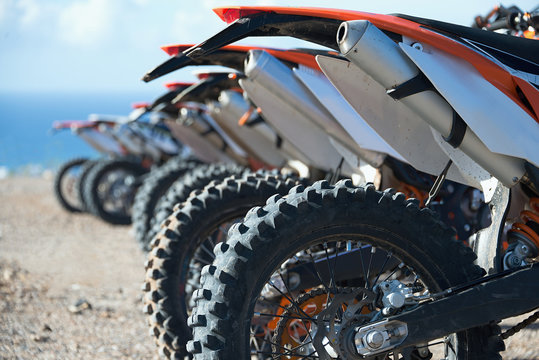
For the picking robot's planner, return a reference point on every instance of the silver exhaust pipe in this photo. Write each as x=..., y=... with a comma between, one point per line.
x=370, y=49
x=263, y=68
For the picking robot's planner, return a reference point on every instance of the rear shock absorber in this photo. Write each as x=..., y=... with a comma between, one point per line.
x=523, y=238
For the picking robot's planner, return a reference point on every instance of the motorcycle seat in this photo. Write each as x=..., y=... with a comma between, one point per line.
x=516, y=52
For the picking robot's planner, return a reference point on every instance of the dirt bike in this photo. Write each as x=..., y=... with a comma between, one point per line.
x=207, y=124
x=109, y=185
x=287, y=283
x=181, y=240
x=99, y=136
x=511, y=20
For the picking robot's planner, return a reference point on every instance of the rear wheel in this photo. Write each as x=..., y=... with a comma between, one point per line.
x=110, y=188
x=65, y=184
x=310, y=267
x=154, y=186
x=186, y=245
x=81, y=181
x=195, y=179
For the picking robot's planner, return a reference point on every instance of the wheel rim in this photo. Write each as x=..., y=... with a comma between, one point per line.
x=116, y=191
x=278, y=342
x=68, y=187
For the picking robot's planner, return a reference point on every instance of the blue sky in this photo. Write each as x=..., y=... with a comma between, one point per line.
x=107, y=45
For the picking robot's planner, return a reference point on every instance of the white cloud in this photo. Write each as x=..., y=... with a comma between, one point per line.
x=86, y=22
x=141, y=2
x=5, y=7
x=30, y=11
x=189, y=26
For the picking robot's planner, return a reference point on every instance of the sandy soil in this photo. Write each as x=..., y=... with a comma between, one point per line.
x=51, y=260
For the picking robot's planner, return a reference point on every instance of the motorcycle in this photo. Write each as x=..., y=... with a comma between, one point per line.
x=67, y=178
x=161, y=312
x=340, y=271
x=511, y=21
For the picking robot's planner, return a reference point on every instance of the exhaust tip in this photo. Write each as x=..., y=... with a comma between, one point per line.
x=350, y=33
x=247, y=59
x=342, y=32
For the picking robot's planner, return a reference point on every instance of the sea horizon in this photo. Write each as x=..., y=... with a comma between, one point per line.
x=27, y=143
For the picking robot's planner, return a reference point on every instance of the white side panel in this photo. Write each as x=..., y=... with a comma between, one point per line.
x=102, y=142
x=235, y=147
x=469, y=169
x=274, y=76
x=503, y=126
x=254, y=142
x=294, y=127
x=341, y=110
x=201, y=146
x=395, y=123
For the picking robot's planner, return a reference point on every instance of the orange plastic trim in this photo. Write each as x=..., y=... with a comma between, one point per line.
x=493, y=73
x=139, y=105
x=243, y=119
x=296, y=56
x=173, y=50
x=530, y=92
x=174, y=85
x=236, y=89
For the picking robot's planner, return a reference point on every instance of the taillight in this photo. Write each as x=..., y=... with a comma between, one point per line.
x=203, y=75
x=231, y=15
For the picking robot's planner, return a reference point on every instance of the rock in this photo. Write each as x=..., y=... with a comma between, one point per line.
x=40, y=338
x=80, y=306
x=46, y=328
x=7, y=275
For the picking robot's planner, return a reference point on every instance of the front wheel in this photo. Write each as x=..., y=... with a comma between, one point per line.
x=299, y=275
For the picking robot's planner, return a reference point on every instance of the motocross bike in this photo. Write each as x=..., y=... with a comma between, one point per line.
x=97, y=135
x=205, y=125
x=511, y=20
x=174, y=264
x=283, y=285
x=110, y=185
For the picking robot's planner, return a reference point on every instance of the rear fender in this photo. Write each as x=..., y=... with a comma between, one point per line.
x=207, y=89
x=232, y=56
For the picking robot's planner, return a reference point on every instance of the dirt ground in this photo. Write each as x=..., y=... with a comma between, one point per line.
x=50, y=262
x=70, y=284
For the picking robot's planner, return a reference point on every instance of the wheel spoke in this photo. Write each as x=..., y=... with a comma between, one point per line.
x=317, y=273
x=207, y=251
x=331, y=275
x=362, y=262
x=373, y=251
x=293, y=302
x=287, y=351
x=289, y=299
x=394, y=271
x=283, y=317
x=388, y=256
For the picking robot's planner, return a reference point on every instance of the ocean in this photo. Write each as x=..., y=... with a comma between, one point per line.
x=27, y=144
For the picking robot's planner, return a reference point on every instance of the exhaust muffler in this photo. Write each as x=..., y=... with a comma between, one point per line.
x=370, y=49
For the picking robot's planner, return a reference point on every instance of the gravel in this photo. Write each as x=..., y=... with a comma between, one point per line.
x=69, y=283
